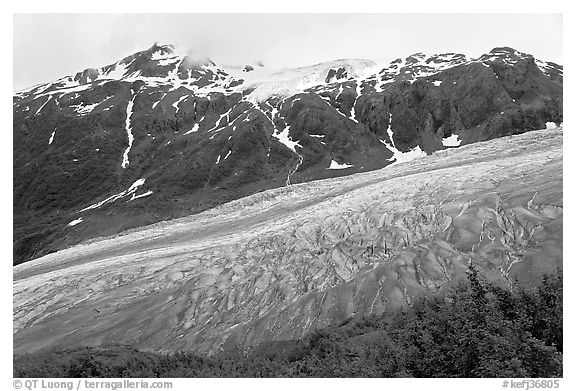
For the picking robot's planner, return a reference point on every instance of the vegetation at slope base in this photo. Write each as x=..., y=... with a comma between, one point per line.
x=474, y=329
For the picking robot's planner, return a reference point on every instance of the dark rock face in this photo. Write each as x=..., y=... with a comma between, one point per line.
x=336, y=74
x=88, y=75
x=202, y=136
x=477, y=101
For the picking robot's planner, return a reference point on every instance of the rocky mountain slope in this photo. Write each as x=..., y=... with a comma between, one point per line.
x=159, y=135
x=284, y=262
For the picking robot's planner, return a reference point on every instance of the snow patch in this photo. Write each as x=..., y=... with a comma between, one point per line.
x=226, y=114
x=284, y=138
x=337, y=166
x=74, y=222
x=399, y=156
x=415, y=153
x=118, y=71
x=353, y=109
x=168, y=61
x=66, y=90
x=85, y=109
x=451, y=141
x=158, y=101
x=131, y=190
x=551, y=125
x=125, y=161
x=175, y=104
x=287, y=82
x=437, y=83
x=134, y=196
x=194, y=129
x=41, y=107
x=161, y=53
x=52, y=137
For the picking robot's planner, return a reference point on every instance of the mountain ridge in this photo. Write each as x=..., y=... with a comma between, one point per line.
x=163, y=55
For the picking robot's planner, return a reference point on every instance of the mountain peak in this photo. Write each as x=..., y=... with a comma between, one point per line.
x=160, y=51
x=508, y=52
x=504, y=49
x=156, y=46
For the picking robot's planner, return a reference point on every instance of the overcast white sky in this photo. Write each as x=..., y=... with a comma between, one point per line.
x=49, y=46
